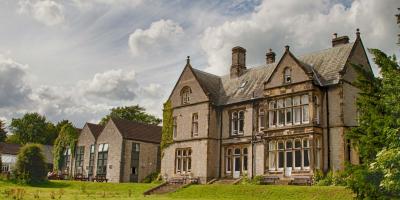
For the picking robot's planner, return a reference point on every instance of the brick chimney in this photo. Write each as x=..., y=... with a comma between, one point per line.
x=336, y=41
x=270, y=56
x=238, y=61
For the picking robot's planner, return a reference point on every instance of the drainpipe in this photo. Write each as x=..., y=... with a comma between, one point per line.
x=328, y=127
x=220, y=143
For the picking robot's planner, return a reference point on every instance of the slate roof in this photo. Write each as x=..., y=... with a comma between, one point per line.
x=138, y=131
x=13, y=149
x=95, y=129
x=326, y=66
x=6, y=148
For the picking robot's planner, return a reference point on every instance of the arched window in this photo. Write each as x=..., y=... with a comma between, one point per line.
x=287, y=75
x=185, y=95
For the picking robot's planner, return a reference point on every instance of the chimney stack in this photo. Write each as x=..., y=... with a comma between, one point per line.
x=238, y=61
x=270, y=56
x=336, y=41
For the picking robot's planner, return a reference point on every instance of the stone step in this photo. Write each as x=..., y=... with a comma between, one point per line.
x=225, y=181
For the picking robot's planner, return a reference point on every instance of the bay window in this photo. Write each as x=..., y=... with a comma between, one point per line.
x=272, y=155
x=288, y=111
x=290, y=153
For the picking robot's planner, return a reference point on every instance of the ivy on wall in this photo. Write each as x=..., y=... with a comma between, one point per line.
x=67, y=137
x=166, y=138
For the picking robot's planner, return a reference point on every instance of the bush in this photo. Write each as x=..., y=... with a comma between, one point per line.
x=364, y=182
x=30, y=167
x=331, y=178
x=151, y=177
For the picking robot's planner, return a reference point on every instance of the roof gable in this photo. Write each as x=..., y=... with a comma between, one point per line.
x=137, y=131
x=189, y=78
x=300, y=71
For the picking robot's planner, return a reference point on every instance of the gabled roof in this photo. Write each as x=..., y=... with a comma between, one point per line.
x=6, y=148
x=329, y=63
x=13, y=149
x=138, y=131
x=95, y=129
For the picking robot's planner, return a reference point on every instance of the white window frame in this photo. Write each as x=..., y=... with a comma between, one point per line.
x=261, y=119
x=241, y=117
x=294, y=153
x=308, y=152
x=195, y=124
x=272, y=114
x=305, y=109
x=278, y=157
x=272, y=161
x=288, y=107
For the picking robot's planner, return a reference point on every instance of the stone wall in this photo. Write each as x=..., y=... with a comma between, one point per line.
x=86, y=139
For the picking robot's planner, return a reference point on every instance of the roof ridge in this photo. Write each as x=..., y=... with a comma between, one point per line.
x=322, y=50
x=133, y=121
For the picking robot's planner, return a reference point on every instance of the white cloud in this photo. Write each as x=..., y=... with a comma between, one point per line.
x=14, y=91
x=47, y=12
x=160, y=37
x=113, y=84
x=87, y=4
x=305, y=25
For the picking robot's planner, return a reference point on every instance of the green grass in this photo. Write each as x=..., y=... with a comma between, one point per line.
x=87, y=190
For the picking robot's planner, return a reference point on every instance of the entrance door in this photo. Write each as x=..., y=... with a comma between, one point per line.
x=236, y=163
x=135, y=163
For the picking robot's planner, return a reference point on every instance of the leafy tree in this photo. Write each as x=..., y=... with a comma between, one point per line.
x=66, y=139
x=3, y=133
x=32, y=128
x=132, y=113
x=31, y=166
x=377, y=136
x=166, y=137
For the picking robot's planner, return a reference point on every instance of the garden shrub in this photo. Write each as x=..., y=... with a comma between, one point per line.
x=151, y=177
x=31, y=167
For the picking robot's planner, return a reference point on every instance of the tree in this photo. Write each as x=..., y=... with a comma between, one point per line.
x=32, y=128
x=377, y=136
x=31, y=166
x=67, y=138
x=132, y=113
x=3, y=133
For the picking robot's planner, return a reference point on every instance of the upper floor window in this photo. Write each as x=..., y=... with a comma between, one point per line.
x=185, y=95
x=287, y=75
x=288, y=111
x=195, y=124
x=261, y=119
x=237, y=122
x=174, y=127
x=317, y=109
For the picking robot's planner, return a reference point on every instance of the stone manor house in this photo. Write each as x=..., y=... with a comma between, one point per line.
x=285, y=118
x=120, y=151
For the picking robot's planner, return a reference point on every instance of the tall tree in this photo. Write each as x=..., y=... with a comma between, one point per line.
x=132, y=113
x=32, y=128
x=3, y=133
x=377, y=136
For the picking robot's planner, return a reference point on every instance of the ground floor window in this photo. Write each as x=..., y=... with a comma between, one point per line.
x=291, y=153
x=183, y=160
x=236, y=160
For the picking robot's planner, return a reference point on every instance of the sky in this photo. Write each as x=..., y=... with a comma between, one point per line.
x=77, y=59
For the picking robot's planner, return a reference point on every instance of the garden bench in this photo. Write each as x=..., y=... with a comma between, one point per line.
x=301, y=180
x=100, y=178
x=269, y=180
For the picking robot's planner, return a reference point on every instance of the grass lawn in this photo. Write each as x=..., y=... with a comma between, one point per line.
x=87, y=190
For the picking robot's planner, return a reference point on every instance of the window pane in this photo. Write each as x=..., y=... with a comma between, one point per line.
x=297, y=144
x=100, y=147
x=280, y=103
x=241, y=125
x=288, y=102
x=289, y=115
x=281, y=116
x=304, y=99
x=280, y=145
x=237, y=151
x=228, y=164
x=281, y=159
x=272, y=105
x=272, y=118
x=297, y=115
x=272, y=164
x=297, y=158
x=305, y=113
x=272, y=145
x=305, y=143
x=306, y=158
x=289, y=159
x=296, y=100
x=245, y=163
x=245, y=151
x=105, y=147
x=289, y=144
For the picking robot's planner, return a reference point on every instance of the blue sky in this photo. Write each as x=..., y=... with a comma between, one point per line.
x=75, y=59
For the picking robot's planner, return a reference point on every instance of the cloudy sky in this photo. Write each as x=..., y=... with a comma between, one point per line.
x=76, y=59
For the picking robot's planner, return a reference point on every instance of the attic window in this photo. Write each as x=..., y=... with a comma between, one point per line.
x=243, y=84
x=287, y=75
x=185, y=95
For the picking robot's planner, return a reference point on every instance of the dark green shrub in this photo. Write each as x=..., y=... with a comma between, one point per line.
x=151, y=177
x=31, y=167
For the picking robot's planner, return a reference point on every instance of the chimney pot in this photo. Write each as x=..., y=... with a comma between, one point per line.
x=238, y=61
x=270, y=56
x=340, y=40
x=335, y=35
x=287, y=47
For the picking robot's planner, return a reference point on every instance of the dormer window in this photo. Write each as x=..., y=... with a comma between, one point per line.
x=287, y=75
x=185, y=95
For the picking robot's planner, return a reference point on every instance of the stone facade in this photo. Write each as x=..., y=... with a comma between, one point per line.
x=124, y=151
x=285, y=119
